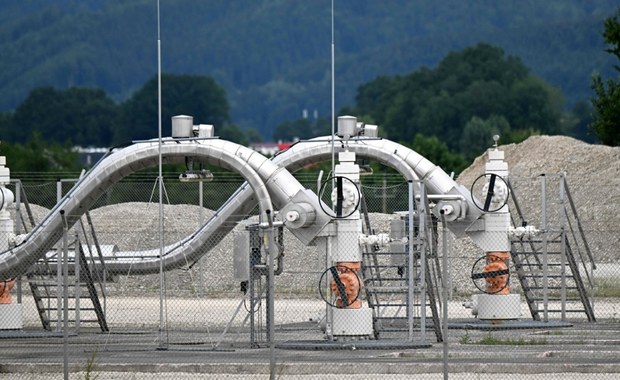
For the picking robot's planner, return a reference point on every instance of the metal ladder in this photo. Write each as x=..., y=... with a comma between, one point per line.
x=386, y=280
x=84, y=301
x=45, y=284
x=548, y=267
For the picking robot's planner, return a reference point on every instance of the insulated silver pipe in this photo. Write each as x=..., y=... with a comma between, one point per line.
x=267, y=179
x=113, y=168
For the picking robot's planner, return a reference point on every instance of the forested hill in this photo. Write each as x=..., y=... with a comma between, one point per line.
x=273, y=56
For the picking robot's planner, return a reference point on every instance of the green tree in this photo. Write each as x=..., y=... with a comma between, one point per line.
x=606, y=120
x=437, y=152
x=232, y=133
x=78, y=116
x=5, y=124
x=302, y=129
x=253, y=135
x=289, y=130
x=37, y=155
x=478, y=134
x=577, y=121
x=193, y=95
x=479, y=81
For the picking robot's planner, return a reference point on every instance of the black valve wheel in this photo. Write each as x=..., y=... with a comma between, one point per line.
x=480, y=277
x=334, y=273
x=493, y=189
x=325, y=192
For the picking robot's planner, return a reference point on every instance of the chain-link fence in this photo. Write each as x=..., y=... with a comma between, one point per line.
x=428, y=303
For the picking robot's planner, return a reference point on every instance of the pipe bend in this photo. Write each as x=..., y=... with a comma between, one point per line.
x=110, y=170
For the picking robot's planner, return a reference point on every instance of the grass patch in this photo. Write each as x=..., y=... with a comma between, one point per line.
x=490, y=340
x=465, y=338
x=89, y=372
x=607, y=287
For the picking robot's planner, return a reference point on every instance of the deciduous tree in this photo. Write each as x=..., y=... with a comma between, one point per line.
x=606, y=120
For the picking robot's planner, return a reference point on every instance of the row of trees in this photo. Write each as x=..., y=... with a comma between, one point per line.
x=450, y=113
x=40, y=134
x=88, y=117
x=447, y=114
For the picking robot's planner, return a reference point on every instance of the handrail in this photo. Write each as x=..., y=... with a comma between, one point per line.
x=579, y=226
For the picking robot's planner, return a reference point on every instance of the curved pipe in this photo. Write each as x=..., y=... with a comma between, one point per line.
x=282, y=186
x=109, y=171
x=406, y=161
x=386, y=152
x=320, y=149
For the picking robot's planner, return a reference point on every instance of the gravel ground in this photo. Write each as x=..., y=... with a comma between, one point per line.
x=422, y=376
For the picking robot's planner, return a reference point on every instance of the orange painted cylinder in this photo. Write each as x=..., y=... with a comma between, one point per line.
x=350, y=288
x=496, y=261
x=5, y=288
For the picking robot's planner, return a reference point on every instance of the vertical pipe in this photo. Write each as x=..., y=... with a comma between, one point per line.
x=18, y=202
x=563, y=247
x=58, y=191
x=543, y=223
x=410, y=274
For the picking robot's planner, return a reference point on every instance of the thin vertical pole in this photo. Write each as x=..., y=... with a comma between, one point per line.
x=200, y=203
x=444, y=295
x=65, y=292
x=160, y=180
x=384, y=194
x=563, y=218
x=333, y=58
x=59, y=266
x=18, y=231
x=270, y=297
x=422, y=232
x=77, y=289
x=328, y=312
x=410, y=274
x=543, y=182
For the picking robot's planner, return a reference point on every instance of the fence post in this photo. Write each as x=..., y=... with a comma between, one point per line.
x=543, y=181
x=444, y=295
x=64, y=260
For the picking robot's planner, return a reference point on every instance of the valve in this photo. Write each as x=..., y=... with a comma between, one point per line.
x=345, y=285
x=494, y=191
x=495, y=273
x=5, y=288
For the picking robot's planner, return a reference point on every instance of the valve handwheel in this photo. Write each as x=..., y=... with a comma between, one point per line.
x=493, y=188
x=495, y=274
